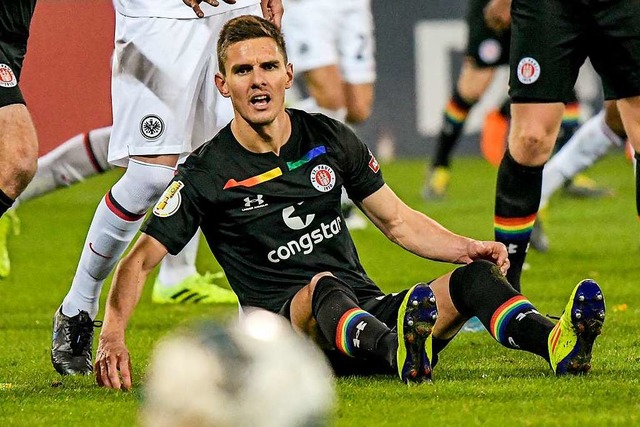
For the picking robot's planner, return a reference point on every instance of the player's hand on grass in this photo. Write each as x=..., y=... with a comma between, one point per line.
x=497, y=15
x=495, y=252
x=113, y=365
x=195, y=5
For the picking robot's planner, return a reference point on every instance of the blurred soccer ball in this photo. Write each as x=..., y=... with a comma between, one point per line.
x=255, y=373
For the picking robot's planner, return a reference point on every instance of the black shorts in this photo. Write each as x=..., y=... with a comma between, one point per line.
x=552, y=38
x=15, y=19
x=485, y=46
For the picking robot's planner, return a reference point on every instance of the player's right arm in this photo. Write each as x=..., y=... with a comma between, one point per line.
x=113, y=365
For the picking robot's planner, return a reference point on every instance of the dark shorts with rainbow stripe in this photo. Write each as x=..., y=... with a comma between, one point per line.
x=551, y=39
x=485, y=46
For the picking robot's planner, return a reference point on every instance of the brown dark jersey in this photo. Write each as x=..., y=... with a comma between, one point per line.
x=273, y=221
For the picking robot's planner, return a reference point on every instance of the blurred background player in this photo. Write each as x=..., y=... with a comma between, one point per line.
x=588, y=144
x=487, y=49
x=257, y=372
x=164, y=106
x=81, y=157
x=18, y=139
x=332, y=45
x=544, y=66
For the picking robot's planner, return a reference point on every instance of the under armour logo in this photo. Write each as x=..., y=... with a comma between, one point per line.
x=512, y=248
x=360, y=327
x=248, y=201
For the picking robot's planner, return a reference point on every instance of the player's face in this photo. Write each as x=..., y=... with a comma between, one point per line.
x=256, y=79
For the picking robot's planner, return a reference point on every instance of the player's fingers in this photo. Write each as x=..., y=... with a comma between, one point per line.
x=103, y=372
x=97, y=369
x=125, y=372
x=112, y=372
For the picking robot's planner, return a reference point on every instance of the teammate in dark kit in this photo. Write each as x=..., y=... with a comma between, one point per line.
x=18, y=140
x=266, y=194
x=487, y=49
x=550, y=40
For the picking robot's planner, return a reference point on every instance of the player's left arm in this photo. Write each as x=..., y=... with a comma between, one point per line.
x=113, y=364
x=425, y=237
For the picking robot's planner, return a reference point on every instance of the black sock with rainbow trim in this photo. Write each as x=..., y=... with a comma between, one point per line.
x=569, y=125
x=454, y=116
x=479, y=289
x=518, y=190
x=345, y=325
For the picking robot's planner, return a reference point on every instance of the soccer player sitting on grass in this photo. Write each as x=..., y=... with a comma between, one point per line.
x=266, y=194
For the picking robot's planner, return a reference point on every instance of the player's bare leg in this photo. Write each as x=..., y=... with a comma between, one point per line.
x=534, y=128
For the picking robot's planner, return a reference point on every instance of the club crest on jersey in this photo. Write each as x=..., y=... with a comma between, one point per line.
x=170, y=200
x=323, y=178
x=7, y=77
x=528, y=70
x=151, y=126
x=373, y=163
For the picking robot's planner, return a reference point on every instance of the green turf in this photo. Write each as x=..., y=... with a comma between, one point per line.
x=477, y=381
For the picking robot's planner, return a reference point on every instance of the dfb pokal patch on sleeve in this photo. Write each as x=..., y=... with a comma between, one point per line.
x=170, y=200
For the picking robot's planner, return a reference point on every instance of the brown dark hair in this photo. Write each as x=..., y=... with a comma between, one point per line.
x=247, y=27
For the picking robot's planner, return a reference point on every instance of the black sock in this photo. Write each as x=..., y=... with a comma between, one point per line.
x=517, y=200
x=479, y=289
x=454, y=116
x=350, y=329
x=5, y=202
x=505, y=109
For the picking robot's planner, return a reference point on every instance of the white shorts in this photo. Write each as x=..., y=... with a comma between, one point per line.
x=331, y=32
x=163, y=90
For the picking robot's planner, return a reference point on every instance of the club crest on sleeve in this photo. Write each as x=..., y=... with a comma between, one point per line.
x=323, y=178
x=7, y=77
x=151, y=127
x=169, y=201
x=528, y=70
x=373, y=163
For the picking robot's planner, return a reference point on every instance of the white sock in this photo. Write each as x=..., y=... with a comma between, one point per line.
x=114, y=225
x=77, y=158
x=592, y=141
x=311, y=106
x=108, y=237
x=175, y=268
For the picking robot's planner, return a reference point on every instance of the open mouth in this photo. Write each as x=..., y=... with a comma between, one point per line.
x=260, y=100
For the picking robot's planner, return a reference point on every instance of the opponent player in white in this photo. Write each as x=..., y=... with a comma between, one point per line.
x=332, y=46
x=163, y=99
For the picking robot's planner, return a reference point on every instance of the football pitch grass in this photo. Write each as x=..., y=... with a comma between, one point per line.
x=477, y=381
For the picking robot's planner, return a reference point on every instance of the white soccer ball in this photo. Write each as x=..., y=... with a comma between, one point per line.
x=256, y=373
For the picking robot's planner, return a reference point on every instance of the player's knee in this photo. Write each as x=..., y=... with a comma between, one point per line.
x=531, y=147
x=323, y=285
x=141, y=186
x=24, y=164
x=358, y=113
x=315, y=279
